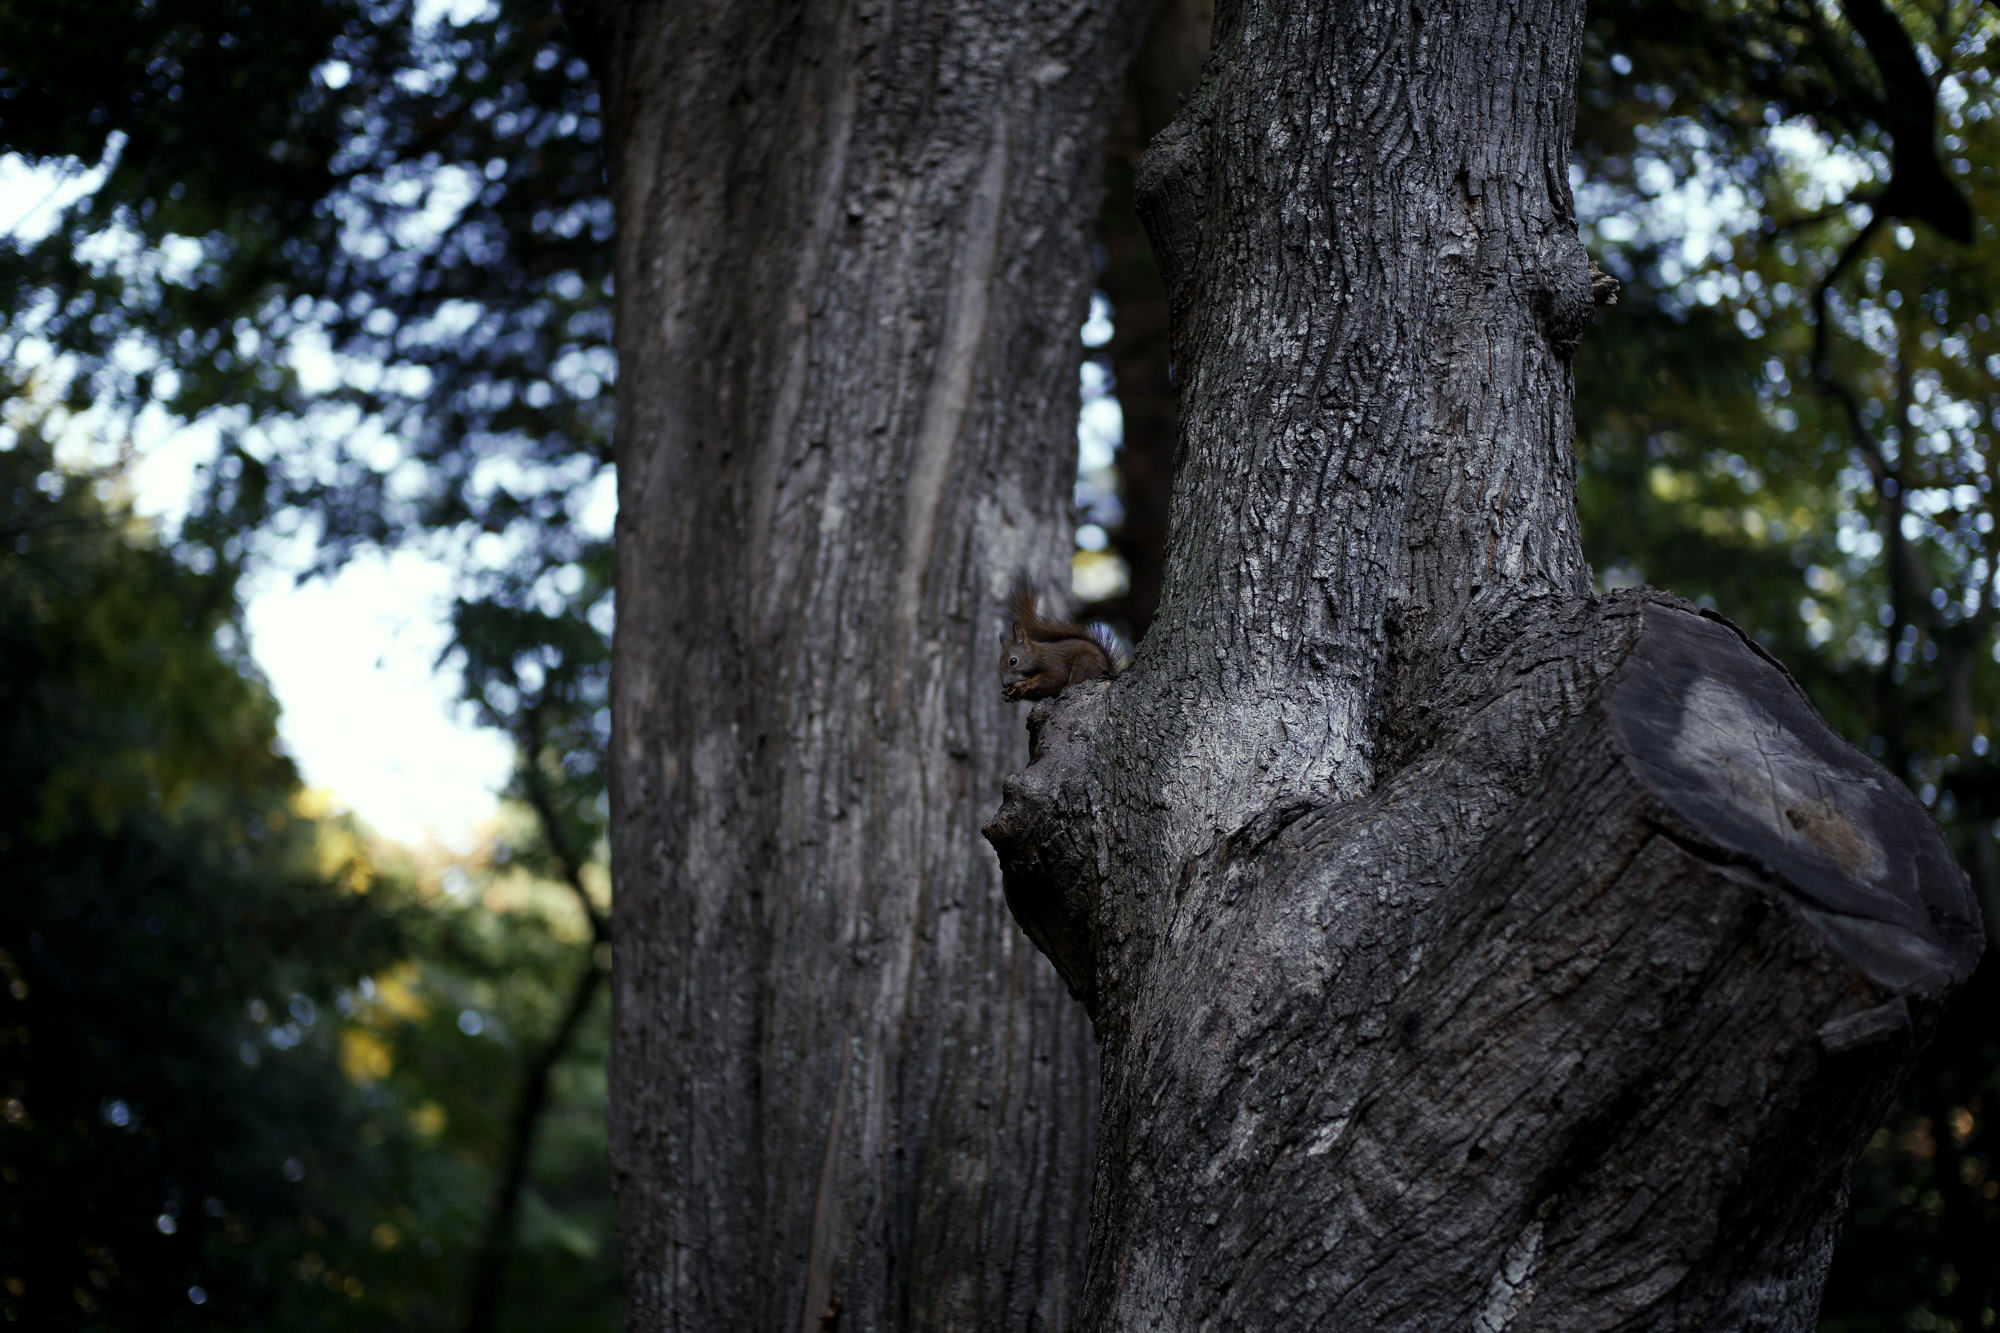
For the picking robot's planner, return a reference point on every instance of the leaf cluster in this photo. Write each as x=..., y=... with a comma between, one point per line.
x=171, y=936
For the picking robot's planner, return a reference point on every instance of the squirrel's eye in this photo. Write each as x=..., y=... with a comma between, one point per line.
x=1013, y=661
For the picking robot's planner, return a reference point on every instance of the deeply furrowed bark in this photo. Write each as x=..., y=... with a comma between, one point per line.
x=1467, y=951
x=853, y=257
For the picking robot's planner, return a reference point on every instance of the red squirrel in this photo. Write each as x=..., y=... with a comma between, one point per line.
x=1041, y=658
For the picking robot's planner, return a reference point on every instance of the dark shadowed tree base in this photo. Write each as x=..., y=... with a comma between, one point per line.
x=1579, y=1019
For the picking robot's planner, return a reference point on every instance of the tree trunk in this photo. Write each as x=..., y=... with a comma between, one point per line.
x=852, y=262
x=1465, y=949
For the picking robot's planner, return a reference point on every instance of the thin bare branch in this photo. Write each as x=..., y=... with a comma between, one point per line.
x=483, y=1302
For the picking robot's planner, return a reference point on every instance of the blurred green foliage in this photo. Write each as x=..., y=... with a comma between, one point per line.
x=162, y=894
x=368, y=243
x=254, y=1076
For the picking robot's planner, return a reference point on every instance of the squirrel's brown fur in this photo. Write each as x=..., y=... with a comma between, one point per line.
x=1041, y=658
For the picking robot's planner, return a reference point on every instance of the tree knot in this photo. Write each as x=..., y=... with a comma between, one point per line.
x=1045, y=835
x=1569, y=290
x=1170, y=189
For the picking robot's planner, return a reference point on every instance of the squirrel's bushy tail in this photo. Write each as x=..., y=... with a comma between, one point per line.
x=1113, y=650
x=1028, y=624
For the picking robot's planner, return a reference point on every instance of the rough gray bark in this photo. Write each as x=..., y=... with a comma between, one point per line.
x=1466, y=951
x=853, y=257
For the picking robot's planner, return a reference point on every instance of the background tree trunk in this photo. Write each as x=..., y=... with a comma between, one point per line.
x=1166, y=67
x=852, y=261
x=1460, y=944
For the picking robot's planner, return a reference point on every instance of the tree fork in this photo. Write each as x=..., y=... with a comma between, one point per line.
x=1464, y=948
x=1610, y=1052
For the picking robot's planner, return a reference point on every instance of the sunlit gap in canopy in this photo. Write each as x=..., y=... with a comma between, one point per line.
x=356, y=658
x=1098, y=570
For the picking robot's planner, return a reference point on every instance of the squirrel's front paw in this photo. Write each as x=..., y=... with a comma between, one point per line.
x=1016, y=691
